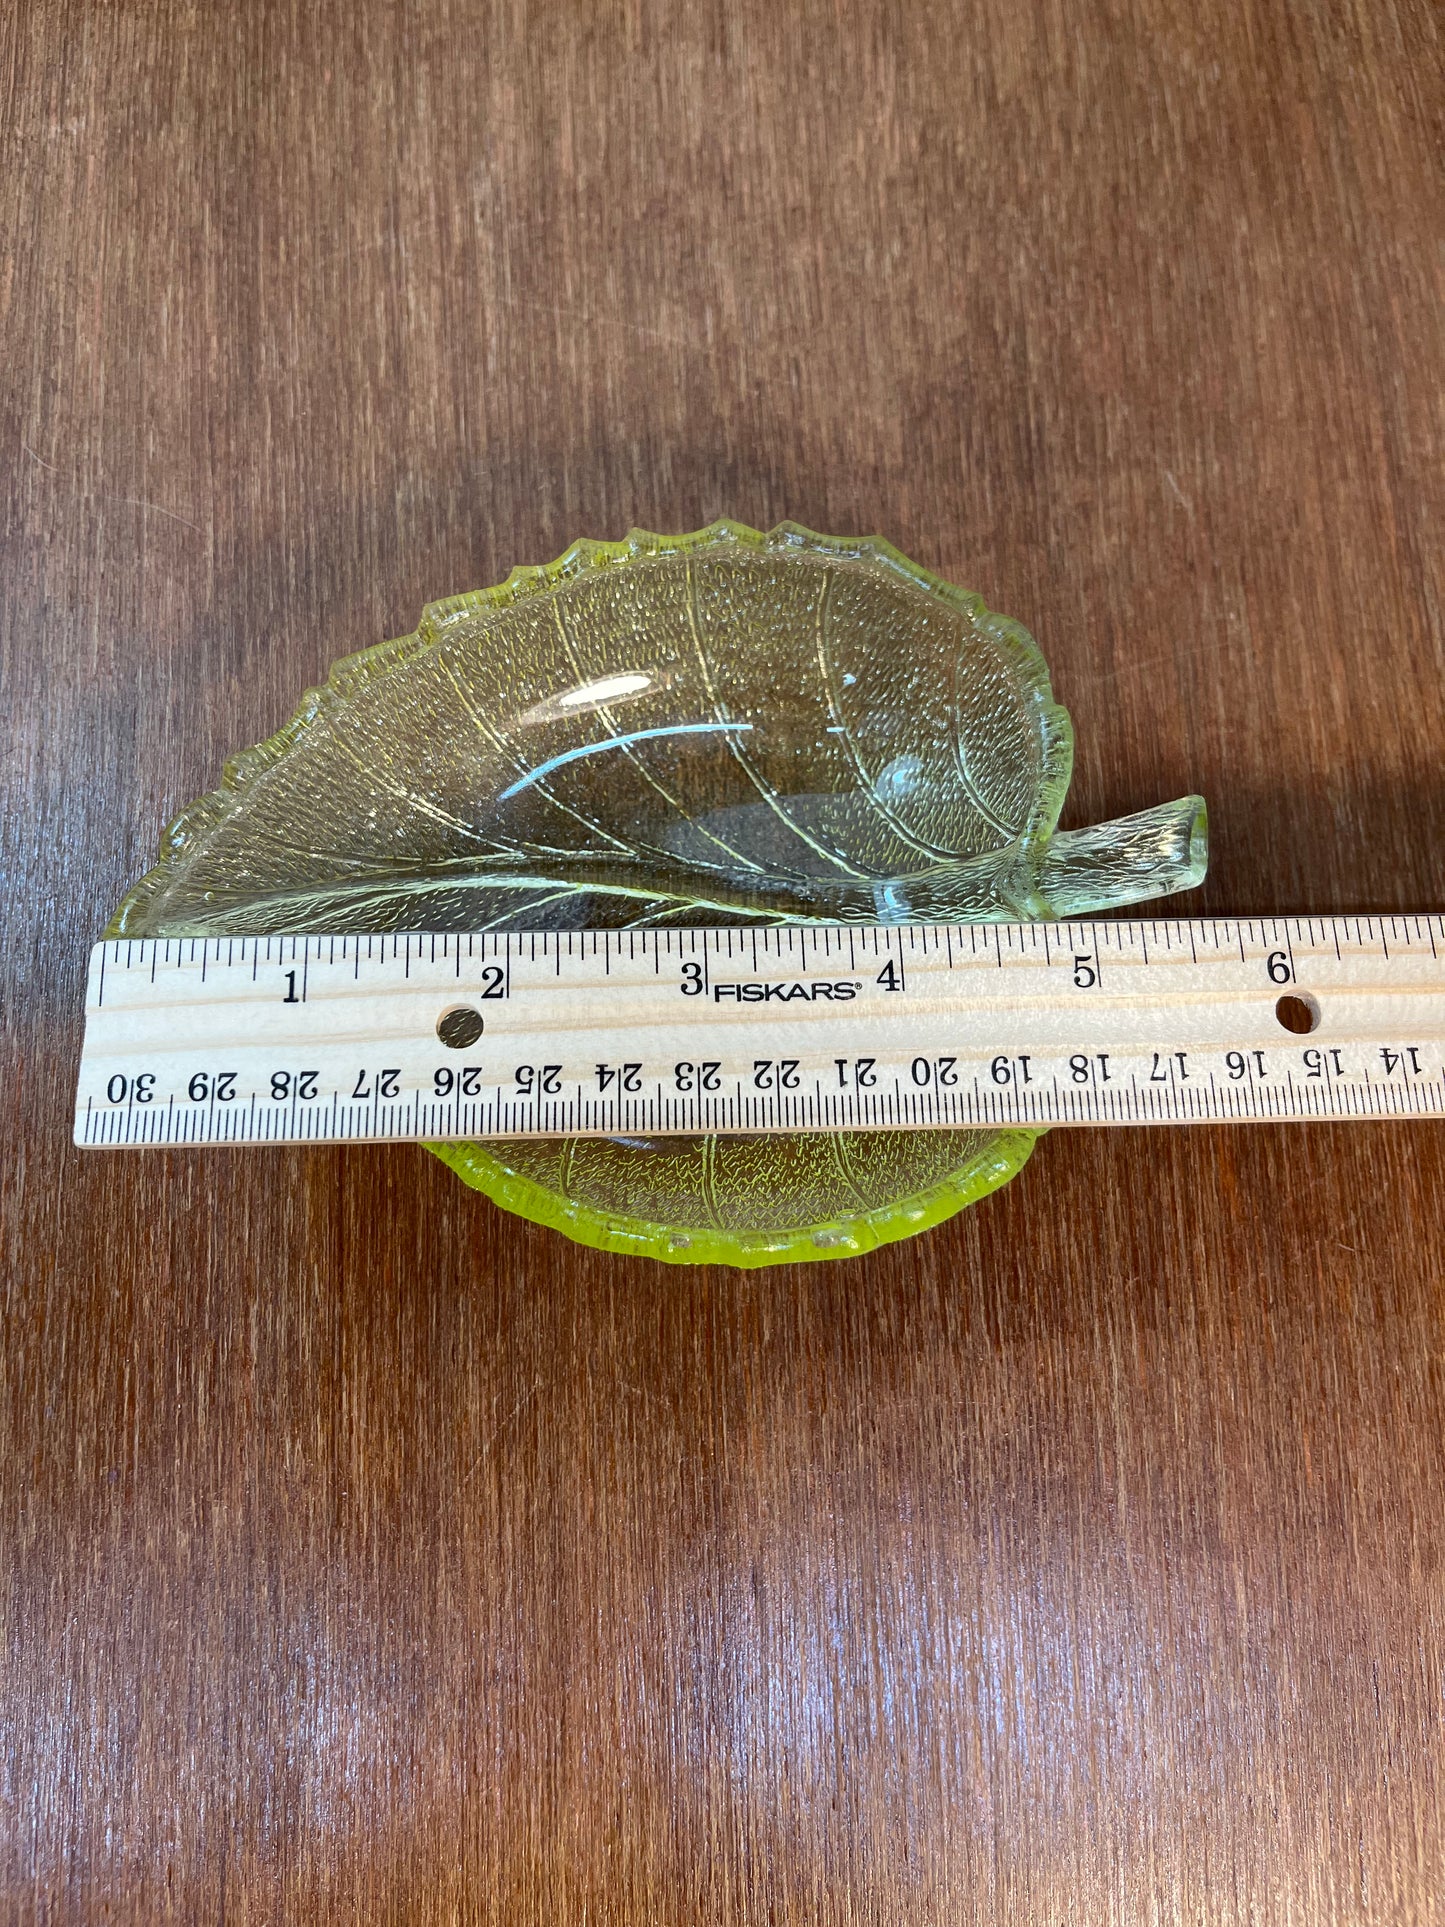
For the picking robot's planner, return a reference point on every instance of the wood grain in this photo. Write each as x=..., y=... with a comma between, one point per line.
x=370, y=1555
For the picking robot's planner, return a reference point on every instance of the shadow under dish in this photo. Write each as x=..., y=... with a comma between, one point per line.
x=727, y=727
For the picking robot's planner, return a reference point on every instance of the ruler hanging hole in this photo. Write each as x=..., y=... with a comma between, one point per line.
x=1298, y=1012
x=459, y=1027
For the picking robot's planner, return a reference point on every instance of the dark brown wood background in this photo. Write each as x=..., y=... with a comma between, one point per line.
x=372, y=1556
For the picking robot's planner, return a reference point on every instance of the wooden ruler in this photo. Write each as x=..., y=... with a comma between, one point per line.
x=646, y=1033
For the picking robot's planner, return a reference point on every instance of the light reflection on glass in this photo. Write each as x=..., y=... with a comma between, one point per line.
x=616, y=742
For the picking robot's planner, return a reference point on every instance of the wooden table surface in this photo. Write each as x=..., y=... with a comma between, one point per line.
x=372, y=1556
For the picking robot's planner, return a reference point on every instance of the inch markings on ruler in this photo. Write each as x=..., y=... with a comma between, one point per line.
x=272, y=1040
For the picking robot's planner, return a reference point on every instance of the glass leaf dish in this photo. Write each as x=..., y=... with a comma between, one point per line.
x=722, y=727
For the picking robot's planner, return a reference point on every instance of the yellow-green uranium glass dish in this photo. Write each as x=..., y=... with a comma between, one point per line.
x=725, y=727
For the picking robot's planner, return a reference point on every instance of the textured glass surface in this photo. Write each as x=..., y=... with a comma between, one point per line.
x=719, y=727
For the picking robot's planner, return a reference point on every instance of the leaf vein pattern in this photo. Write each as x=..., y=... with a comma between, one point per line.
x=764, y=789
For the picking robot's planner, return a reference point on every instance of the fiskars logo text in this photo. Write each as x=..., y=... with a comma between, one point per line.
x=839, y=991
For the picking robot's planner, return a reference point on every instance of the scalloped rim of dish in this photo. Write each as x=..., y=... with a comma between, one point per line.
x=186, y=831
x=476, y=1166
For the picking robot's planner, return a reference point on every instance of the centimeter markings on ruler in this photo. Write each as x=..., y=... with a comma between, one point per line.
x=267, y=1040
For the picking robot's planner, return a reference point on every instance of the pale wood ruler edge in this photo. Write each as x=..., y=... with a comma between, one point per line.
x=648, y=1033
